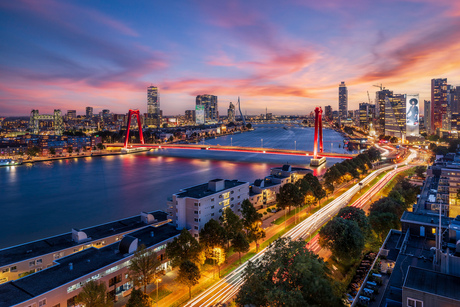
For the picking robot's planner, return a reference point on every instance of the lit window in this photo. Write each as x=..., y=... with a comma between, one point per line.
x=414, y=303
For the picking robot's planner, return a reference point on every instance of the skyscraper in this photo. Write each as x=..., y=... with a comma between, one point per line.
x=380, y=108
x=438, y=102
x=328, y=112
x=153, y=100
x=395, y=115
x=364, y=114
x=209, y=102
x=427, y=116
x=231, y=112
x=89, y=112
x=71, y=114
x=343, y=100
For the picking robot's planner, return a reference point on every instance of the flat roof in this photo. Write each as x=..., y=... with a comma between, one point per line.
x=425, y=218
x=83, y=263
x=433, y=282
x=18, y=253
x=202, y=190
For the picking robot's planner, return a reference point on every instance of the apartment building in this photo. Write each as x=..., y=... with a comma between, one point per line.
x=193, y=207
x=20, y=260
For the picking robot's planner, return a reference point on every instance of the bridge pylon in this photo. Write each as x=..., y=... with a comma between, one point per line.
x=318, y=132
x=130, y=115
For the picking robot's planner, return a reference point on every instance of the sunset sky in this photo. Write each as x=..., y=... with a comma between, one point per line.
x=289, y=56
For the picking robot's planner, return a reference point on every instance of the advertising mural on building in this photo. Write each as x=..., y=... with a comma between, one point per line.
x=199, y=115
x=412, y=115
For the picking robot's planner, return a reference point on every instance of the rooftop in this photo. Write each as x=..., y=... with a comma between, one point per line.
x=425, y=218
x=202, y=190
x=83, y=263
x=433, y=282
x=38, y=248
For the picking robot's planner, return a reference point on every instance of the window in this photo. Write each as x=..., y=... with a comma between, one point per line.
x=196, y=204
x=5, y=270
x=196, y=220
x=212, y=207
x=13, y=269
x=58, y=305
x=114, y=280
x=31, y=263
x=39, y=261
x=414, y=303
x=212, y=214
x=196, y=212
x=196, y=227
x=42, y=302
x=212, y=199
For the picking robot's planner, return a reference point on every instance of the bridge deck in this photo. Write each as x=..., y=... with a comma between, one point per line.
x=239, y=149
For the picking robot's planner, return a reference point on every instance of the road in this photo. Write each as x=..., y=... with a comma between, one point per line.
x=225, y=289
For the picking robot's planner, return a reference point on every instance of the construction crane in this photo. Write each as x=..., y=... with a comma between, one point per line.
x=368, y=97
x=380, y=86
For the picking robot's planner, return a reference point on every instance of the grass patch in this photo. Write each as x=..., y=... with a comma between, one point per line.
x=390, y=185
x=367, y=187
x=162, y=293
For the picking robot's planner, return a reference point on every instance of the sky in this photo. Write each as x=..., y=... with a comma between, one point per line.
x=287, y=56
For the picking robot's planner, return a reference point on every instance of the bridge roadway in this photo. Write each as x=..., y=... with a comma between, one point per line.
x=226, y=289
x=238, y=149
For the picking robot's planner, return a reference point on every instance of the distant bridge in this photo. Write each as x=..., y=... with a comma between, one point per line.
x=237, y=149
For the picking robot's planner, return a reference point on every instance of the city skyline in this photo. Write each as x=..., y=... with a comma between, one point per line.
x=72, y=55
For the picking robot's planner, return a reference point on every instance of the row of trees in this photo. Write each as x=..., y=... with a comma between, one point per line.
x=216, y=238
x=350, y=169
x=346, y=234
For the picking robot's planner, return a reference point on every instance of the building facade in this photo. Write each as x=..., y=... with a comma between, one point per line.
x=328, y=112
x=210, y=106
x=364, y=115
x=380, y=109
x=89, y=112
x=438, y=102
x=395, y=115
x=343, y=100
x=231, y=113
x=193, y=207
x=427, y=116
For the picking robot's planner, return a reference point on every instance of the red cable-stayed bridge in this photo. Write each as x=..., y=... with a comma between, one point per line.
x=314, y=154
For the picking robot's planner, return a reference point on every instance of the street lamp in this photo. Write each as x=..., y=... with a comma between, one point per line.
x=295, y=145
x=262, y=142
x=231, y=141
x=158, y=280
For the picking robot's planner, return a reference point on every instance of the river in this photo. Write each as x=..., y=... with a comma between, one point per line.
x=45, y=199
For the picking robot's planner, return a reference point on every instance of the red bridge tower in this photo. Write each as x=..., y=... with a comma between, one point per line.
x=130, y=115
x=318, y=131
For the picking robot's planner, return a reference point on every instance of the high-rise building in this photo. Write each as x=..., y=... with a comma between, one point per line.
x=438, y=102
x=427, y=116
x=231, y=112
x=328, y=112
x=364, y=115
x=153, y=100
x=89, y=112
x=380, y=109
x=343, y=100
x=190, y=115
x=454, y=99
x=71, y=114
x=395, y=115
x=211, y=112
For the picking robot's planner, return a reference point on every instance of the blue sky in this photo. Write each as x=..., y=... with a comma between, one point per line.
x=289, y=56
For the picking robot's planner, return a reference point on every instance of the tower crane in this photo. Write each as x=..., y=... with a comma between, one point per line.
x=380, y=86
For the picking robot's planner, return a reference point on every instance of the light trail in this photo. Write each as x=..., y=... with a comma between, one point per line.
x=228, y=287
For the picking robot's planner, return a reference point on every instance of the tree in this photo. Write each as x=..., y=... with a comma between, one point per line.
x=94, y=294
x=100, y=146
x=232, y=224
x=329, y=187
x=213, y=238
x=249, y=213
x=185, y=247
x=343, y=238
x=288, y=274
x=139, y=299
x=143, y=267
x=240, y=244
x=357, y=215
x=189, y=275
x=32, y=151
x=383, y=222
x=52, y=151
x=373, y=153
x=420, y=170
x=70, y=149
x=290, y=195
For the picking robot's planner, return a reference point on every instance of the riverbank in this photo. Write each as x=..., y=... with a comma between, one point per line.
x=92, y=155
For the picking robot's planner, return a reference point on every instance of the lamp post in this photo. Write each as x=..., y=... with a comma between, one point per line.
x=262, y=142
x=295, y=145
x=158, y=280
x=231, y=141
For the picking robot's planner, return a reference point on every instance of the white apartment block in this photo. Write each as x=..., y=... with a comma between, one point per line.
x=193, y=207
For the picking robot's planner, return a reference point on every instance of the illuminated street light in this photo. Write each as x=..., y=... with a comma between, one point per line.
x=158, y=280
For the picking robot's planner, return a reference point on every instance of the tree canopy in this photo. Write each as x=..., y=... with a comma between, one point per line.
x=231, y=223
x=143, y=267
x=185, y=247
x=288, y=274
x=139, y=299
x=189, y=275
x=94, y=293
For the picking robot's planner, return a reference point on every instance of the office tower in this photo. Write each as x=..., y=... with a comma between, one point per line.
x=364, y=115
x=343, y=100
x=438, y=102
x=380, y=109
x=454, y=99
x=427, y=116
x=105, y=113
x=89, y=112
x=395, y=115
x=190, y=115
x=328, y=112
x=209, y=104
x=71, y=114
x=231, y=112
x=153, y=100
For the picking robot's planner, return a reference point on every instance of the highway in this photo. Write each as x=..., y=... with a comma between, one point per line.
x=226, y=288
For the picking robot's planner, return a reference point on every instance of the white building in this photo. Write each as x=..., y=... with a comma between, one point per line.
x=193, y=207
